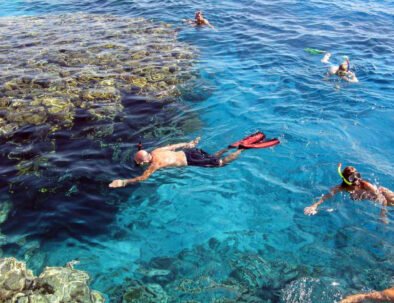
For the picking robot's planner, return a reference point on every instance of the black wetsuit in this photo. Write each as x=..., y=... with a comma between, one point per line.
x=198, y=157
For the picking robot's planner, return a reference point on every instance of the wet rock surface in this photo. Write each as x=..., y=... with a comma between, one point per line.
x=53, y=285
x=53, y=66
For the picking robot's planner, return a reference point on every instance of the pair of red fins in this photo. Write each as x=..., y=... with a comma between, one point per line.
x=256, y=140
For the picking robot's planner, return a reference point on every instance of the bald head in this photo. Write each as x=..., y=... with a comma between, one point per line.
x=142, y=156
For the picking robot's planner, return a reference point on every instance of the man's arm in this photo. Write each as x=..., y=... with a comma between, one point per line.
x=378, y=296
x=350, y=77
x=312, y=210
x=209, y=24
x=190, y=22
x=122, y=183
x=190, y=144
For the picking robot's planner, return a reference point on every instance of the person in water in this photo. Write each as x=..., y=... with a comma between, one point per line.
x=186, y=154
x=342, y=70
x=358, y=189
x=386, y=295
x=199, y=20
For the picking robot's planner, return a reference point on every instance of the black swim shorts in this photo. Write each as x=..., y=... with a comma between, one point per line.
x=198, y=157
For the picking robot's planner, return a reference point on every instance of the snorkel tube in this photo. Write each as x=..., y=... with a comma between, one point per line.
x=346, y=58
x=139, y=146
x=343, y=178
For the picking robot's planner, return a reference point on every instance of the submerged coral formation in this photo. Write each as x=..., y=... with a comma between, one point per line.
x=53, y=285
x=53, y=66
x=214, y=272
x=5, y=207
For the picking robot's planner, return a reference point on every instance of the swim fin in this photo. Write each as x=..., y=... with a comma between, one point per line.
x=253, y=138
x=260, y=144
x=314, y=51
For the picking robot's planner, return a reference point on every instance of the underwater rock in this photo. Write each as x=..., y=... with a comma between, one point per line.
x=197, y=90
x=311, y=290
x=5, y=207
x=147, y=293
x=219, y=271
x=252, y=271
x=53, y=285
x=48, y=72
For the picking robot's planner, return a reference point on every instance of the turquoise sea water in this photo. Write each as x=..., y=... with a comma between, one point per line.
x=244, y=221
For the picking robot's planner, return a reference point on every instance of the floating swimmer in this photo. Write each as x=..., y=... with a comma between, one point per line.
x=186, y=154
x=358, y=189
x=386, y=295
x=199, y=20
x=342, y=70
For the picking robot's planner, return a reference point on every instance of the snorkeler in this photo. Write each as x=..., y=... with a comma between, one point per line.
x=188, y=155
x=199, y=20
x=386, y=295
x=342, y=70
x=358, y=189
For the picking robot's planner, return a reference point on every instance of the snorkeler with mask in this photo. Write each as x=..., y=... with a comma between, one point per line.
x=186, y=154
x=358, y=189
x=199, y=20
x=342, y=71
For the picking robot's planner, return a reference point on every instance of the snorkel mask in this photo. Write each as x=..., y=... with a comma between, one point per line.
x=353, y=177
x=346, y=58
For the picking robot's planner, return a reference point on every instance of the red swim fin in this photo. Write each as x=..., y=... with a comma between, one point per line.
x=260, y=144
x=253, y=138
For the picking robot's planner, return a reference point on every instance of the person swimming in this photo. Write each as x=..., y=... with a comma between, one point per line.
x=199, y=20
x=342, y=70
x=189, y=155
x=358, y=189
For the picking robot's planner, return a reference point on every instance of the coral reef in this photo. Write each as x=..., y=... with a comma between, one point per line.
x=53, y=285
x=50, y=71
x=215, y=272
x=5, y=207
x=149, y=293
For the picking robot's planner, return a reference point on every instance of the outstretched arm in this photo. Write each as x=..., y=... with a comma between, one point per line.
x=312, y=210
x=326, y=58
x=350, y=77
x=190, y=144
x=190, y=22
x=209, y=24
x=122, y=183
x=378, y=296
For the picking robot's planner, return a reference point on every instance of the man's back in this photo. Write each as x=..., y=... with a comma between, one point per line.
x=162, y=157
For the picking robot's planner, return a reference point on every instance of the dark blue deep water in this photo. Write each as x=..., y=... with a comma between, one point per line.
x=243, y=222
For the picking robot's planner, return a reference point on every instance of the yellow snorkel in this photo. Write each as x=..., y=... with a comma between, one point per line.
x=340, y=174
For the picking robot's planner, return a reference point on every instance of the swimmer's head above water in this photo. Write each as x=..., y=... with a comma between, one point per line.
x=142, y=157
x=199, y=18
x=349, y=175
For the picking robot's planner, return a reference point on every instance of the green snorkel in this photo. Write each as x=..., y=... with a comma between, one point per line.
x=343, y=178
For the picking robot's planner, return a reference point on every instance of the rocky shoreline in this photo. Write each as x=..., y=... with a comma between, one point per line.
x=53, y=285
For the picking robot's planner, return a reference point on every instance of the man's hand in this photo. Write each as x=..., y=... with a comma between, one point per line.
x=310, y=211
x=118, y=183
x=353, y=299
x=193, y=143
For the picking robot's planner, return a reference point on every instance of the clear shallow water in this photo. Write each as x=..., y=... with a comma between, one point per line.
x=254, y=75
